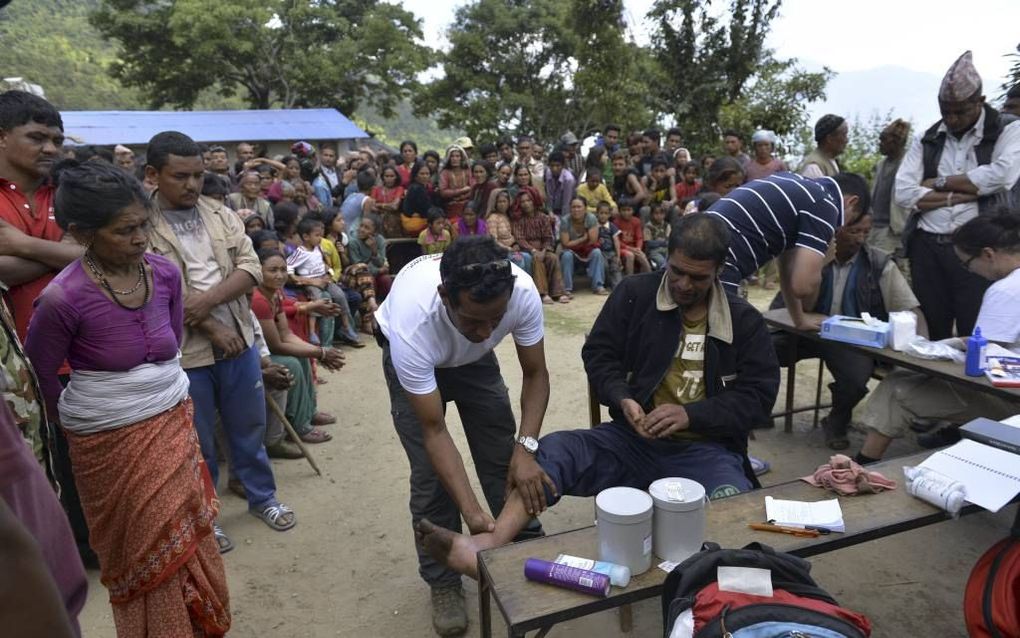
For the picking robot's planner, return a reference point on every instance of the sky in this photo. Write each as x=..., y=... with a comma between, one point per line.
x=920, y=35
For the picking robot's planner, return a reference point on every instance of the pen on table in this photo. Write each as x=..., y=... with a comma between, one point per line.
x=793, y=531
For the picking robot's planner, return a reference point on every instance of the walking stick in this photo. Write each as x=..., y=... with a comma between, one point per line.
x=294, y=435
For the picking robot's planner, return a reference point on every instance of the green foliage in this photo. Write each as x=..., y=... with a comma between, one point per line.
x=776, y=98
x=50, y=43
x=404, y=125
x=274, y=53
x=1013, y=78
x=507, y=70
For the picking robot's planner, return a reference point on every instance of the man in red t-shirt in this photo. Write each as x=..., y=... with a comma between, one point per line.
x=31, y=250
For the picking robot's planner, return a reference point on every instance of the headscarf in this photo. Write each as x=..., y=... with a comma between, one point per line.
x=962, y=80
x=536, y=197
x=826, y=125
x=763, y=135
x=463, y=158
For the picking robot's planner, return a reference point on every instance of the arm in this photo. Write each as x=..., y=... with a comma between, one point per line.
x=525, y=474
x=908, y=191
x=605, y=350
x=52, y=254
x=444, y=186
x=1003, y=171
x=800, y=275
x=15, y=271
x=246, y=275
x=616, y=242
x=640, y=193
x=937, y=199
x=671, y=192
x=54, y=324
x=639, y=240
x=252, y=163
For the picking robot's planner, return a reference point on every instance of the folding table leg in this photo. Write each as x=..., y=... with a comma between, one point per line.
x=484, y=612
x=791, y=383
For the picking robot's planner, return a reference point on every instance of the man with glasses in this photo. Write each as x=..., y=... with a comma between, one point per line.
x=685, y=369
x=438, y=328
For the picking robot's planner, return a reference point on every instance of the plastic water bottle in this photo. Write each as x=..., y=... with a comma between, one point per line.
x=976, y=345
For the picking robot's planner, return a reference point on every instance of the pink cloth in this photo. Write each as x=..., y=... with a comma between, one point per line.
x=846, y=478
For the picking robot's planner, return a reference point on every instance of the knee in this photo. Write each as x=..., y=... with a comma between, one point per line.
x=596, y=256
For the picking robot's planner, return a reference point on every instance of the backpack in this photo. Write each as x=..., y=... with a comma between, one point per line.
x=694, y=607
x=991, y=602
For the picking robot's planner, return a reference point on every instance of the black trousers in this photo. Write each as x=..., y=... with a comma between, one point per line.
x=483, y=403
x=948, y=292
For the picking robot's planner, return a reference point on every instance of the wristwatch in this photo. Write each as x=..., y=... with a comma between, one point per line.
x=940, y=183
x=529, y=443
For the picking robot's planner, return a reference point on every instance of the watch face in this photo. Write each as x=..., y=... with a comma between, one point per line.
x=530, y=444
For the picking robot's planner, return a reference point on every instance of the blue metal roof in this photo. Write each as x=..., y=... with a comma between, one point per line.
x=138, y=127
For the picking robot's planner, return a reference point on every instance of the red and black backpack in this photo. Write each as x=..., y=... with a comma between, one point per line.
x=991, y=602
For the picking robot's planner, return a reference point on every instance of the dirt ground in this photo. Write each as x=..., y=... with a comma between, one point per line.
x=349, y=568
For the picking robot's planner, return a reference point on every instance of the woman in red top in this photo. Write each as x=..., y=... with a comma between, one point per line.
x=408, y=156
x=455, y=183
x=290, y=350
x=534, y=234
x=390, y=194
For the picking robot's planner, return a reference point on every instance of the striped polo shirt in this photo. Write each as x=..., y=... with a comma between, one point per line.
x=769, y=216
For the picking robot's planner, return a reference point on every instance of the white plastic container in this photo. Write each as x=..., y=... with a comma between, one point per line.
x=679, y=521
x=902, y=329
x=624, y=521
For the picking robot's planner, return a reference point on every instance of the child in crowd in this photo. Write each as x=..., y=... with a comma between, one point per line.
x=657, y=237
x=307, y=268
x=688, y=187
x=594, y=190
x=253, y=224
x=436, y=238
x=632, y=241
x=661, y=189
x=470, y=224
x=265, y=240
x=215, y=186
x=609, y=244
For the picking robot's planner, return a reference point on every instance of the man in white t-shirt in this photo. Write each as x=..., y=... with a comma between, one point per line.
x=438, y=327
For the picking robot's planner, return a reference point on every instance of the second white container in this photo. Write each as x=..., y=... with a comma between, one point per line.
x=624, y=521
x=679, y=521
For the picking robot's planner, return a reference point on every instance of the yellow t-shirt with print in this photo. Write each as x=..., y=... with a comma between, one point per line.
x=685, y=380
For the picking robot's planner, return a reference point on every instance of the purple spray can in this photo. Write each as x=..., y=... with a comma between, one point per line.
x=574, y=578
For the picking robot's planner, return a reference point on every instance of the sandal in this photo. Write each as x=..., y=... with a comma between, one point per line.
x=602, y=292
x=564, y=299
x=315, y=435
x=546, y=299
x=323, y=418
x=277, y=516
x=223, y=542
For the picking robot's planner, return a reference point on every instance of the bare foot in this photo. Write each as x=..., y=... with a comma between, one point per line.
x=456, y=551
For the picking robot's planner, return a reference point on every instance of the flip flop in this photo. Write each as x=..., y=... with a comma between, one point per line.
x=759, y=466
x=315, y=435
x=323, y=418
x=223, y=542
x=275, y=515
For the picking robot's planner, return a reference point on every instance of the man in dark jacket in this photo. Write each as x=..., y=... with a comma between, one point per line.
x=685, y=369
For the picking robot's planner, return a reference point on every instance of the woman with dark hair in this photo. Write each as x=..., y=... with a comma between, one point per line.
x=723, y=176
x=533, y=231
x=432, y=160
x=481, y=174
x=521, y=179
x=291, y=173
x=389, y=195
x=117, y=316
x=455, y=182
x=989, y=246
x=408, y=157
x=290, y=350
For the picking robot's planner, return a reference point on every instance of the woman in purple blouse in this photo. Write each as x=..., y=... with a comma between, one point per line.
x=116, y=316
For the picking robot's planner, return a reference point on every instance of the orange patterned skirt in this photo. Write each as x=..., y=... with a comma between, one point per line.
x=150, y=506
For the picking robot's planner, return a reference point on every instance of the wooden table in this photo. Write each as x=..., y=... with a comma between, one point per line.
x=527, y=606
x=948, y=370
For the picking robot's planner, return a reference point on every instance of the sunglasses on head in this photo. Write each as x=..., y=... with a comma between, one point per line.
x=471, y=274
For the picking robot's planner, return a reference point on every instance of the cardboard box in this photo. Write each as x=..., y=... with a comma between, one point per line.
x=856, y=331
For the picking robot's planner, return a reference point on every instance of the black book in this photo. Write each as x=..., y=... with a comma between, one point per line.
x=993, y=433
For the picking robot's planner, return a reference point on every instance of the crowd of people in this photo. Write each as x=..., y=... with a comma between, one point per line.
x=220, y=289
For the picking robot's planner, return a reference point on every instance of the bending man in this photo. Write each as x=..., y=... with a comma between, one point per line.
x=685, y=369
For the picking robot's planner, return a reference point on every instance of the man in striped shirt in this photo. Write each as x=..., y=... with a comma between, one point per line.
x=794, y=219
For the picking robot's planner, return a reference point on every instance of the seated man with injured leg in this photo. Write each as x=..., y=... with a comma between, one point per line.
x=685, y=370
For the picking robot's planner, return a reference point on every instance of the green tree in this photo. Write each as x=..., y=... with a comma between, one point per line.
x=718, y=68
x=1013, y=76
x=776, y=98
x=276, y=53
x=613, y=77
x=508, y=70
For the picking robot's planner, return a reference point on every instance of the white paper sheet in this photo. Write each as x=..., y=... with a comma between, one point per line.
x=991, y=475
x=825, y=514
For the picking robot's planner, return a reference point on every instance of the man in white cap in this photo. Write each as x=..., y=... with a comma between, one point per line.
x=963, y=166
x=573, y=160
x=124, y=157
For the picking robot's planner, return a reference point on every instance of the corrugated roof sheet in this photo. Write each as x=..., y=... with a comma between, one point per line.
x=138, y=127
